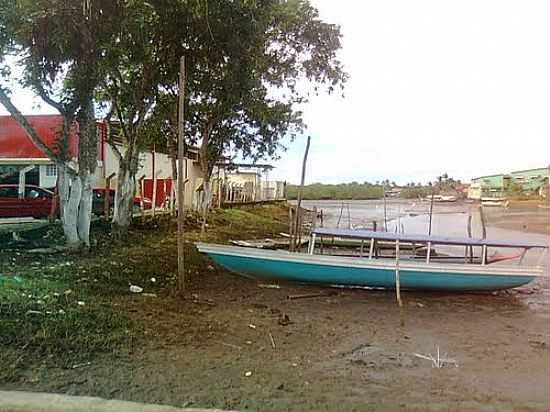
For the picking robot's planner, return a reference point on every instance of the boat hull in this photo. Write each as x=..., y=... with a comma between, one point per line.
x=328, y=270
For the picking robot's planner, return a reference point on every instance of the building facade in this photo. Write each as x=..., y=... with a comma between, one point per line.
x=530, y=181
x=22, y=162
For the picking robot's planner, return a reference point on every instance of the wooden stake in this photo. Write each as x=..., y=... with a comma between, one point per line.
x=470, y=249
x=398, y=284
x=154, y=194
x=397, y=280
x=141, y=194
x=181, y=187
x=297, y=224
x=431, y=211
x=107, y=196
x=385, y=211
x=483, y=227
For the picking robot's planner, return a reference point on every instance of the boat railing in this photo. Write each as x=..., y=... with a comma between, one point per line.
x=429, y=241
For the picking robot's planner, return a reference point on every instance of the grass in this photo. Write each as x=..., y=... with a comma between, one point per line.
x=63, y=310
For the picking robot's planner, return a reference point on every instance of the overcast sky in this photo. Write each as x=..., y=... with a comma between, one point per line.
x=461, y=87
x=435, y=86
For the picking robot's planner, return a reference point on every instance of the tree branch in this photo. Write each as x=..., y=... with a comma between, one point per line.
x=109, y=135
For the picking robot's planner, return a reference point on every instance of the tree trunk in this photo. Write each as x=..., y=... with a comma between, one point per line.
x=206, y=186
x=124, y=198
x=69, y=197
x=85, y=208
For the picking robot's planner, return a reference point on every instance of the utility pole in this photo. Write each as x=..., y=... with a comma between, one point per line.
x=181, y=177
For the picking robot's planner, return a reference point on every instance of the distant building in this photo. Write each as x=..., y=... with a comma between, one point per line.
x=499, y=185
x=249, y=183
x=531, y=180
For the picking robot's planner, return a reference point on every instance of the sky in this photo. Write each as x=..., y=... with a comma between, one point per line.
x=435, y=86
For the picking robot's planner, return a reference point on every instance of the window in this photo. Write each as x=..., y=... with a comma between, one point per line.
x=51, y=170
x=32, y=194
x=8, y=192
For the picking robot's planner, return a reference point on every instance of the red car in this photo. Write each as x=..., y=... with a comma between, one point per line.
x=98, y=205
x=36, y=202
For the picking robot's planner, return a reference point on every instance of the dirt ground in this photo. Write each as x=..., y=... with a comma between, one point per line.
x=232, y=343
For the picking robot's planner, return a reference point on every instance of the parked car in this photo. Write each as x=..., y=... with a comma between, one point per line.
x=36, y=202
x=98, y=204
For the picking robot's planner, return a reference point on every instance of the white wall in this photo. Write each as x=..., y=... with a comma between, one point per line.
x=45, y=180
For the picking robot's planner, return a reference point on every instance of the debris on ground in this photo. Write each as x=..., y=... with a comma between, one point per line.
x=269, y=286
x=438, y=361
x=136, y=289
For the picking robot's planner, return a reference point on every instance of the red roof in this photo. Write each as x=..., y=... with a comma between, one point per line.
x=15, y=144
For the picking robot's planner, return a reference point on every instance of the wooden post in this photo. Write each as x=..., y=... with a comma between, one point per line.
x=141, y=205
x=154, y=196
x=181, y=187
x=371, y=249
x=290, y=229
x=397, y=280
x=107, y=197
x=385, y=211
x=312, y=234
x=470, y=249
x=431, y=212
x=483, y=227
x=297, y=224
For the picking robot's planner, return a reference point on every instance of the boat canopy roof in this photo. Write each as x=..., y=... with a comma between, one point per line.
x=418, y=238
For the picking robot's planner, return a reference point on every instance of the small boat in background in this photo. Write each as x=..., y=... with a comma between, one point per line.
x=441, y=198
x=369, y=271
x=495, y=201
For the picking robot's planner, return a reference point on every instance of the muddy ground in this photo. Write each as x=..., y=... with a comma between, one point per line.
x=345, y=350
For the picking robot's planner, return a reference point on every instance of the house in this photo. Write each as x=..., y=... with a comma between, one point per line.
x=489, y=186
x=530, y=180
x=22, y=161
x=522, y=181
x=250, y=183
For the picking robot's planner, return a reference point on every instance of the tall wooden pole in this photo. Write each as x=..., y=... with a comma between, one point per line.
x=431, y=211
x=385, y=210
x=181, y=177
x=297, y=224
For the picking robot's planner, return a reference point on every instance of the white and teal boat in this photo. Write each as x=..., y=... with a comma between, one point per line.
x=427, y=272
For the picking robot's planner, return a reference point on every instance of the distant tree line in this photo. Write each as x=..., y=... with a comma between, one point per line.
x=364, y=191
x=354, y=190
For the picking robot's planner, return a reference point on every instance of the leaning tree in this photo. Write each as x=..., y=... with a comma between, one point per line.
x=58, y=45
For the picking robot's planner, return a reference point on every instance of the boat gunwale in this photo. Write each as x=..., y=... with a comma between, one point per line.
x=365, y=263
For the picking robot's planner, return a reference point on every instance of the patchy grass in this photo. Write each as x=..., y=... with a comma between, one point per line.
x=41, y=319
x=64, y=309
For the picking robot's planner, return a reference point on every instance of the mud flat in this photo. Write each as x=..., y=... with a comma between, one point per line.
x=234, y=343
